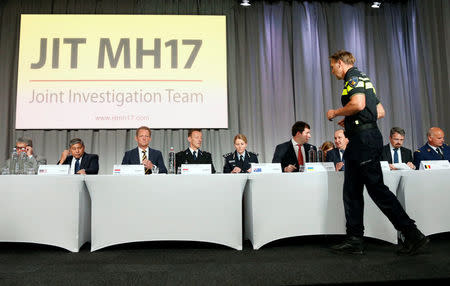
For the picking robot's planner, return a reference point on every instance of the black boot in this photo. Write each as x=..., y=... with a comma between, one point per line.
x=351, y=245
x=414, y=241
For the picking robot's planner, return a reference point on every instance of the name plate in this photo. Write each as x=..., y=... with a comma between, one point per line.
x=320, y=167
x=53, y=170
x=385, y=166
x=434, y=165
x=128, y=170
x=401, y=166
x=266, y=168
x=190, y=169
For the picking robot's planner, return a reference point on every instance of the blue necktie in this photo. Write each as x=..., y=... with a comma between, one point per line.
x=395, y=155
x=343, y=160
x=77, y=165
x=195, y=155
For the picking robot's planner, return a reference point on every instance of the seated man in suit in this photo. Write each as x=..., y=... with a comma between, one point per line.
x=337, y=154
x=390, y=152
x=25, y=145
x=142, y=154
x=294, y=153
x=79, y=161
x=193, y=154
x=435, y=149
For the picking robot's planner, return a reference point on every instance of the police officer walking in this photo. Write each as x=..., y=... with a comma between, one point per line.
x=361, y=109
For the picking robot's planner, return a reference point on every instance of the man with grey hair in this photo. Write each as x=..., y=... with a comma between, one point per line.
x=24, y=145
x=394, y=152
x=79, y=161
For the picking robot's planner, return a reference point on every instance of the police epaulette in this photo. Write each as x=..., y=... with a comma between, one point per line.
x=256, y=154
x=227, y=154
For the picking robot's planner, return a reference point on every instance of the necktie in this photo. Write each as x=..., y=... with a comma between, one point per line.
x=195, y=155
x=241, y=158
x=77, y=165
x=300, y=156
x=144, y=157
x=395, y=155
x=440, y=152
x=343, y=160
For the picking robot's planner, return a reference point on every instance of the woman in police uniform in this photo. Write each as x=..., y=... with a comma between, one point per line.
x=239, y=160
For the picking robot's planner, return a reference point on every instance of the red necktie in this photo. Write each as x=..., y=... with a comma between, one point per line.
x=300, y=155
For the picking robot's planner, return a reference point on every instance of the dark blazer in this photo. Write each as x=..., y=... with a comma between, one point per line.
x=404, y=152
x=232, y=160
x=89, y=162
x=132, y=157
x=185, y=157
x=285, y=154
x=333, y=156
x=426, y=153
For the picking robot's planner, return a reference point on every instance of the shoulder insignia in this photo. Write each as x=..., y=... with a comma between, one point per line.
x=256, y=154
x=429, y=150
x=353, y=81
x=227, y=154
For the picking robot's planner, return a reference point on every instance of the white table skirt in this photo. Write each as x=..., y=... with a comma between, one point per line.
x=426, y=198
x=288, y=205
x=52, y=210
x=204, y=208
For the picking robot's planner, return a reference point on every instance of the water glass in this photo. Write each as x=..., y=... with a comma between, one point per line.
x=155, y=169
x=5, y=171
x=30, y=171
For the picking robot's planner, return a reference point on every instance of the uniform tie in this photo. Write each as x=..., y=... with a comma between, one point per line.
x=77, y=165
x=195, y=155
x=395, y=155
x=241, y=158
x=300, y=156
x=343, y=160
x=438, y=149
x=144, y=157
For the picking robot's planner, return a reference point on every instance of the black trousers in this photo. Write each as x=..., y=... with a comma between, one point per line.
x=362, y=168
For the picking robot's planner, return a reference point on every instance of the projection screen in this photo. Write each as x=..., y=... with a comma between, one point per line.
x=121, y=71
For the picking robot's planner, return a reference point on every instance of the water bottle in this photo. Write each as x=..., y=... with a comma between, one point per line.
x=21, y=163
x=312, y=155
x=171, y=161
x=13, y=162
x=320, y=156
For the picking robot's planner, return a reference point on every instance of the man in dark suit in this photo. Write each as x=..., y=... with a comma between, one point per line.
x=80, y=162
x=193, y=154
x=143, y=154
x=294, y=153
x=435, y=149
x=336, y=155
x=394, y=152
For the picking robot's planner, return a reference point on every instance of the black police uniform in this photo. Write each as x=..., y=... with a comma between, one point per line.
x=362, y=161
x=233, y=160
x=185, y=157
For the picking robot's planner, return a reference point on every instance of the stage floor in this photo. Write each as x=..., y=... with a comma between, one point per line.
x=295, y=261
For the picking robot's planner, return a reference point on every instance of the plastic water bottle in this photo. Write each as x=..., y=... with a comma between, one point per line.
x=320, y=156
x=23, y=157
x=13, y=163
x=312, y=155
x=171, y=161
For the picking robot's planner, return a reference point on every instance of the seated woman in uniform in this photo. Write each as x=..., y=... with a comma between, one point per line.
x=239, y=160
x=326, y=146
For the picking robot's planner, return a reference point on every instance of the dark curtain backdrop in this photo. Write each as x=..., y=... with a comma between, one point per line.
x=278, y=70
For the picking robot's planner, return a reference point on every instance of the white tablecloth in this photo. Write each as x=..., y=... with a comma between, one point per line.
x=53, y=210
x=166, y=207
x=287, y=205
x=426, y=198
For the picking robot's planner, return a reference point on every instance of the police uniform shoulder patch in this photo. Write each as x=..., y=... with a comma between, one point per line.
x=253, y=153
x=353, y=81
x=227, y=154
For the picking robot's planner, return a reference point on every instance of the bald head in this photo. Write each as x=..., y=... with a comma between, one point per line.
x=435, y=136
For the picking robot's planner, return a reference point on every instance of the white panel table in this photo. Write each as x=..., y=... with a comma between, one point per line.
x=426, y=198
x=204, y=208
x=287, y=205
x=52, y=210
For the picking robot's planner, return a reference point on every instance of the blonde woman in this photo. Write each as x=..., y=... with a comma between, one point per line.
x=239, y=161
